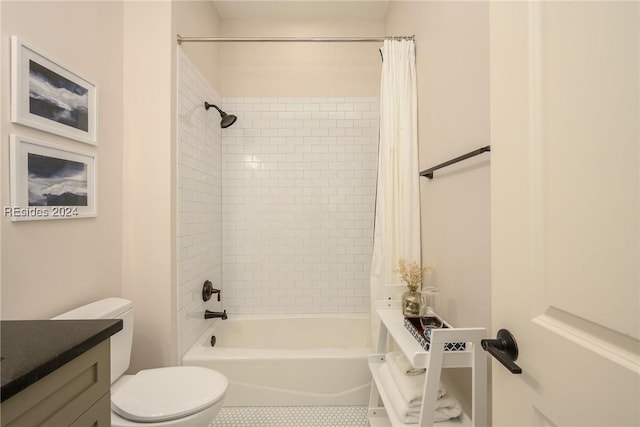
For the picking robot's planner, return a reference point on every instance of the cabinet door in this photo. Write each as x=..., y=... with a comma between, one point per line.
x=61, y=397
x=99, y=415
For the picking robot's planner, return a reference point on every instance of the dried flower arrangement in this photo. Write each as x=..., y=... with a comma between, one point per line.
x=412, y=273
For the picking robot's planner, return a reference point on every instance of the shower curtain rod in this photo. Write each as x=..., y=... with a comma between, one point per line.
x=289, y=39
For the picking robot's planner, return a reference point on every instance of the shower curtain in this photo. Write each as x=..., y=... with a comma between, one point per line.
x=397, y=217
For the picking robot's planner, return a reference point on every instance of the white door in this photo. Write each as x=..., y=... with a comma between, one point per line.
x=565, y=211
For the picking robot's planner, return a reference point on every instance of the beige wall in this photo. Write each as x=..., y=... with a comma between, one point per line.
x=199, y=19
x=51, y=266
x=300, y=69
x=149, y=276
x=148, y=164
x=452, y=45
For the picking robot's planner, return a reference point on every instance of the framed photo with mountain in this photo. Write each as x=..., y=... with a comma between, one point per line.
x=48, y=96
x=50, y=181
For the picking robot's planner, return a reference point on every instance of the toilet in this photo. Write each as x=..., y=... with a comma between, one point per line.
x=174, y=396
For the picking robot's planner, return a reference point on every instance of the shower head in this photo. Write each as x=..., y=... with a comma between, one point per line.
x=226, y=120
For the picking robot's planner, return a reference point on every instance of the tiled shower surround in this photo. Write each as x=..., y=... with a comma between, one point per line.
x=199, y=211
x=278, y=209
x=298, y=188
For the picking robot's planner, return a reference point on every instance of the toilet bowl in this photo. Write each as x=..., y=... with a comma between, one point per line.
x=175, y=396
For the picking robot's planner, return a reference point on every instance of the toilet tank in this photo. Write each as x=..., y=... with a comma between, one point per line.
x=110, y=308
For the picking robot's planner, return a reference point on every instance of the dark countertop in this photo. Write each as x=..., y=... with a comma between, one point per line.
x=31, y=349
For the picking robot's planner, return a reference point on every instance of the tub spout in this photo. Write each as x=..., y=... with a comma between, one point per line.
x=215, y=314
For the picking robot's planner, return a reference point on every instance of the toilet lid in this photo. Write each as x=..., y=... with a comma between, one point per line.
x=164, y=394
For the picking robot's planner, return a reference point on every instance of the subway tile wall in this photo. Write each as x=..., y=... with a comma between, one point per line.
x=199, y=214
x=278, y=209
x=298, y=189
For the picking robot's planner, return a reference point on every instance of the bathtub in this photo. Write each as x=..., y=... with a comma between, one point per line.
x=301, y=360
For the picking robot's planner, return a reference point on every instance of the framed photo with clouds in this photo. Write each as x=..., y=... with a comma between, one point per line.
x=48, y=96
x=50, y=181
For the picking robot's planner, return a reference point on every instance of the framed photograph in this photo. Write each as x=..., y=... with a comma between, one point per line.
x=50, y=181
x=47, y=96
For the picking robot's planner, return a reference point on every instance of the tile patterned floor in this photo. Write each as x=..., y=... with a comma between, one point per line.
x=292, y=416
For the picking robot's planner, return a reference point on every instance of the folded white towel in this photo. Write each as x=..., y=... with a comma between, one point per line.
x=401, y=407
x=447, y=407
x=410, y=386
x=404, y=364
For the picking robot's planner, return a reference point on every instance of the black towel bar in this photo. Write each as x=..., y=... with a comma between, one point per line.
x=429, y=172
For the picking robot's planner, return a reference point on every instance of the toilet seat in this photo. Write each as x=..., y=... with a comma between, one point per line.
x=163, y=394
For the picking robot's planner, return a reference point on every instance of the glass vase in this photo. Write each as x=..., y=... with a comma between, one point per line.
x=411, y=301
x=428, y=307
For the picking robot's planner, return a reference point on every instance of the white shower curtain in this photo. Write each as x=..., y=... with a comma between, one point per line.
x=397, y=218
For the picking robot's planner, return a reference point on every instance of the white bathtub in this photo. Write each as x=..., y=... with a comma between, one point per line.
x=302, y=360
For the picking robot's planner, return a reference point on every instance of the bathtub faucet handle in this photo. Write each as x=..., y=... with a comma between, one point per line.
x=208, y=290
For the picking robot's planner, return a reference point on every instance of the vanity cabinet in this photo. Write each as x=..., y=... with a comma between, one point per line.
x=66, y=382
x=435, y=359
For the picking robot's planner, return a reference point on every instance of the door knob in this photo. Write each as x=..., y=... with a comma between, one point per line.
x=505, y=349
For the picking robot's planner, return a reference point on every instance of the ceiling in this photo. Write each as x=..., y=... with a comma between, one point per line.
x=300, y=9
